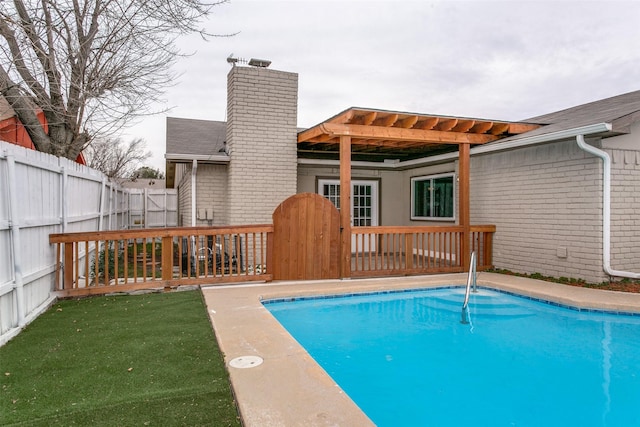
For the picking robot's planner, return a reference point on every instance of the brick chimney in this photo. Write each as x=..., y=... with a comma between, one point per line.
x=262, y=115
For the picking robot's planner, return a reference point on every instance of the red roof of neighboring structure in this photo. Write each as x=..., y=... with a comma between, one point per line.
x=14, y=132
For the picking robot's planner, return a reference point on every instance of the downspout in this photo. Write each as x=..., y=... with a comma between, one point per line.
x=606, y=209
x=194, y=171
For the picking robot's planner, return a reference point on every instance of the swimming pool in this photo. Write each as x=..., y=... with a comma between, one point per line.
x=405, y=358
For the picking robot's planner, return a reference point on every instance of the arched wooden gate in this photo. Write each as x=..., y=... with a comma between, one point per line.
x=306, y=239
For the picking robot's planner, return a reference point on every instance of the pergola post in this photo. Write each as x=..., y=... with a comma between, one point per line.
x=345, y=206
x=463, y=202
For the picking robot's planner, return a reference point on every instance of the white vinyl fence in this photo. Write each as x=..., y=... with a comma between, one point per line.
x=151, y=208
x=42, y=194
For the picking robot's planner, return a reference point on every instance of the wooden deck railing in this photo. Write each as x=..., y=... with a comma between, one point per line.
x=388, y=250
x=112, y=261
x=482, y=244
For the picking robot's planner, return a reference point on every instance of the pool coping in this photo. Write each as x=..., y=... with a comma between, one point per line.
x=289, y=388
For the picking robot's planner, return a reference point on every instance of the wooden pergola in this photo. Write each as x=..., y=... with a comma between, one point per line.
x=374, y=135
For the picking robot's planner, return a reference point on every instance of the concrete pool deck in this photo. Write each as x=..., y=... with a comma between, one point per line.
x=289, y=388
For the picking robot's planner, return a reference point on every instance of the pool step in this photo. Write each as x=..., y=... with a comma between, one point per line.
x=480, y=305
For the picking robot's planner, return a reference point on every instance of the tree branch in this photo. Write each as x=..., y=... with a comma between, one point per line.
x=90, y=65
x=25, y=111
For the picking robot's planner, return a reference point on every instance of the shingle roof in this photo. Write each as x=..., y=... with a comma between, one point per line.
x=620, y=111
x=207, y=137
x=191, y=136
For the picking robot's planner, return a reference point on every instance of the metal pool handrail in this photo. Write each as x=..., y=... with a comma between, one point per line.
x=471, y=278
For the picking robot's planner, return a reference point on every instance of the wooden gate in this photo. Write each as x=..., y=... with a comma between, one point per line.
x=306, y=239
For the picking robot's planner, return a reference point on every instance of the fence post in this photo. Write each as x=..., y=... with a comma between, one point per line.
x=15, y=237
x=65, y=199
x=165, y=209
x=145, y=207
x=101, y=208
x=110, y=203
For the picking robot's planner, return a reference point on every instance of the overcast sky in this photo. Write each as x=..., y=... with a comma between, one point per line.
x=506, y=60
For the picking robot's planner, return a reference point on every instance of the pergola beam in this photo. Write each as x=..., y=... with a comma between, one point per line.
x=369, y=118
x=397, y=134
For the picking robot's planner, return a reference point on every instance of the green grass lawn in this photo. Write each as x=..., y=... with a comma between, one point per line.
x=144, y=360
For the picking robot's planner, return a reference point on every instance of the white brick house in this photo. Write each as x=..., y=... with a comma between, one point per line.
x=544, y=189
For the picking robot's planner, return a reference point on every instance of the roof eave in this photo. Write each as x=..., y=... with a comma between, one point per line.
x=204, y=158
x=522, y=141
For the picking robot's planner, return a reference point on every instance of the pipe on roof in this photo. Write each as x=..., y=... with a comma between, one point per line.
x=606, y=209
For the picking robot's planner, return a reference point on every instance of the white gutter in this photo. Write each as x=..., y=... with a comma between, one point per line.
x=545, y=137
x=204, y=158
x=194, y=171
x=606, y=209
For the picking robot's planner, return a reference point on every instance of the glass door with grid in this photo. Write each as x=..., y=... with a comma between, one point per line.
x=364, y=206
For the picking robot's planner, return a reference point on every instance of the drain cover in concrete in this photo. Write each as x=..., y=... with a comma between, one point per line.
x=246, y=362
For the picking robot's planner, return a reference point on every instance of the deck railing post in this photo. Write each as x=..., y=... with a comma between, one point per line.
x=269, y=258
x=487, y=250
x=167, y=258
x=67, y=282
x=408, y=250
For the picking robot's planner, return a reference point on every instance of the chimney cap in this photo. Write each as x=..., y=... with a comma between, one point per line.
x=262, y=63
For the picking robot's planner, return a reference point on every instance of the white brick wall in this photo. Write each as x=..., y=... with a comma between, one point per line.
x=625, y=210
x=211, y=181
x=211, y=194
x=262, y=139
x=542, y=200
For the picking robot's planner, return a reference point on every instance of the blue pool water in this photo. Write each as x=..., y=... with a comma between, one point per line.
x=406, y=359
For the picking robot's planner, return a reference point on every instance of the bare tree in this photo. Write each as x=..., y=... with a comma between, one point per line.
x=147, y=172
x=90, y=65
x=116, y=159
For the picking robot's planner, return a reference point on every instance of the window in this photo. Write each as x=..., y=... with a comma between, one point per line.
x=432, y=197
